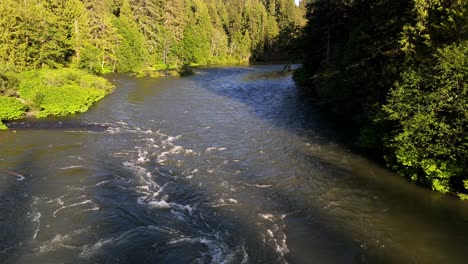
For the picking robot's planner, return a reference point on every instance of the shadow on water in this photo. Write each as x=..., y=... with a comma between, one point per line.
x=273, y=98
x=326, y=204
x=391, y=220
x=263, y=90
x=17, y=221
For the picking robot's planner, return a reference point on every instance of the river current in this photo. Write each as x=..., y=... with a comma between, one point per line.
x=230, y=165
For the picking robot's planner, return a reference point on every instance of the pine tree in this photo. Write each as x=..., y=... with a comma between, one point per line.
x=100, y=54
x=130, y=52
x=148, y=15
x=127, y=35
x=198, y=33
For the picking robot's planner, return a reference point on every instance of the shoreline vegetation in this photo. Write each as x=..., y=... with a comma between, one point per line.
x=61, y=92
x=52, y=52
x=397, y=71
x=46, y=92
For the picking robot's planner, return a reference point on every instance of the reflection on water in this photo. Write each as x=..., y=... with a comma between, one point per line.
x=269, y=75
x=228, y=166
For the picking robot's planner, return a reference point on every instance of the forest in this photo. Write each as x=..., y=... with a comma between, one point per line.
x=59, y=43
x=141, y=35
x=398, y=70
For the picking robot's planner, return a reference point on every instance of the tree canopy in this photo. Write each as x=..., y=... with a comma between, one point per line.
x=103, y=36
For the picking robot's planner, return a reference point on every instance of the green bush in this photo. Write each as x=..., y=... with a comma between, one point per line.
x=10, y=108
x=61, y=91
x=8, y=83
x=67, y=99
x=430, y=106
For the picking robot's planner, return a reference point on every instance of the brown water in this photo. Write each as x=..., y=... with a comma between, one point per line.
x=227, y=166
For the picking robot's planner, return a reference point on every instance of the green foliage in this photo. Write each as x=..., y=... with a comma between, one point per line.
x=65, y=100
x=10, y=108
x=33, y=35
x=137, y=35
x=8, y=84
x=62, y=91
x=398, y=70
x=197, y=33
x=133, y=36
x=430, y=106
x=130, y=52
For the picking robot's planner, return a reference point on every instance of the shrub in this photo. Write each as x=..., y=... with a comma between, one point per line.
x=68, y=99
x=8, y=83
x=429, y=105
x=10, y=108
x=62, y=91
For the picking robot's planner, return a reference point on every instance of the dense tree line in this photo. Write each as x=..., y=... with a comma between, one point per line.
x=103, y=36
x=399, y=70
x=49, y=49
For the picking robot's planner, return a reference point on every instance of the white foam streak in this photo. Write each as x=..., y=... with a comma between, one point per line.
x=36, y=218
x=71, y=167
x=267, y=216
x=210, y=149
x=59, y=240
x=233, y=201
x=160, y=204
x=72, y=205
x=260, y=186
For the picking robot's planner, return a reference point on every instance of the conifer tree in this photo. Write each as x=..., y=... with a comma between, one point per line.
x=130, y=52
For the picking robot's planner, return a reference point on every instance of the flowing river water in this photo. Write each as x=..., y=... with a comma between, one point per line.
x=228, y=166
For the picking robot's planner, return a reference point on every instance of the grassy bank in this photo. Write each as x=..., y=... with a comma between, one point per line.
x=47, y=92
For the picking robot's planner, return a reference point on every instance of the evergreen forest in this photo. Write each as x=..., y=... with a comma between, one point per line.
x=103, y=36
x=50, y=48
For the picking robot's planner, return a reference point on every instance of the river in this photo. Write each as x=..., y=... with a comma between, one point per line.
x=230, y=165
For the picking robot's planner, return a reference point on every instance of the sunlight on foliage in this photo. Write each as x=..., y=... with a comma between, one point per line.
x=62, y=91
x=10, y=108
x=398, y=70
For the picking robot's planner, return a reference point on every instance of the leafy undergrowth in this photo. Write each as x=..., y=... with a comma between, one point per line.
x=61, y=92
x=11, y=108
x=57, y=92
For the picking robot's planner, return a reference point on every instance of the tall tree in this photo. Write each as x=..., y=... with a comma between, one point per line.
x=129, y=35
x=33, y=36
x=130, y=52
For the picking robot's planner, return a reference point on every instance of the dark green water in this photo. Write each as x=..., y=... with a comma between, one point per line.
x=227, y=166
